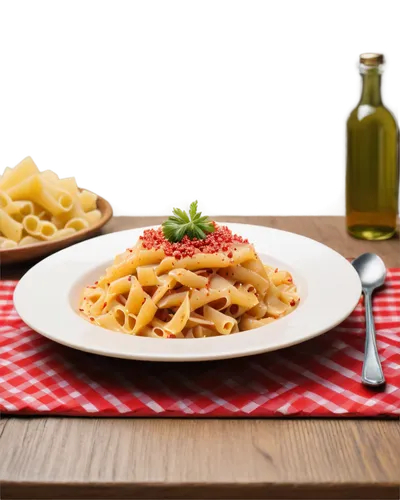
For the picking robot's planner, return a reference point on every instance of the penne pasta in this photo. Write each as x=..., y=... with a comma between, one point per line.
x=235, y=311
x=223, y=323
x=69, y=184
x=280, y=277
x=93, y=216
x=87, y=200
x=42, y=192
x=9, y=227
x=200, y=332
x=22, y=208
x=172, y=300
x=257, y=266
x=28, y=240
x=146, y=314
x=47, y=230
x=275, y=307
x=44, y=206
x=197, y=320
x=129, y=324
x=244, y=275
x=205, y=260
x=258, y=311
x=249, y=323
x=188, y=278
x=31, y=224
x=50, y=176
x=120, y=286
x=146, y=276
x=135, y=259
x=240, y=297
x=136, y=296
x=157, y=292
x=180, y=318
x=158, y=332
x=63, y=233
x=44, y=215
x=77, y=224
x=167, y=283
x=7, y=244
x=26, y=168
x=200, y=298
x=6, y=202
x=108, y=321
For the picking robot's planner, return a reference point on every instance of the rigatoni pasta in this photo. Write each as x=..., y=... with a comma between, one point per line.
x=194, y=288
x=39, y=206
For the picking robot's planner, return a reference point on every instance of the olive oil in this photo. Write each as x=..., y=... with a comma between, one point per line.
x=372, y=173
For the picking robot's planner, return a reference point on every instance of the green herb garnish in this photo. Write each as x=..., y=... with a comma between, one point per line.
x=193, y=225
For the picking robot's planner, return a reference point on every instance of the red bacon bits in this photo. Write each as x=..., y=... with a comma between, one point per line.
x=177, y=255
x=221, y=240
x=91, y=318
x=292, y=303
x=129, y=278
x=290, y=280
x=104, y=305
x=81, y=309
x=170, y=335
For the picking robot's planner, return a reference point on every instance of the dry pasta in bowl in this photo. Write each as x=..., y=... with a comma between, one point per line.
x=40, y=207
x=190, y=278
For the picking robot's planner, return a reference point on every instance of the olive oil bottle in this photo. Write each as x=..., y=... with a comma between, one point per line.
x=372, y=171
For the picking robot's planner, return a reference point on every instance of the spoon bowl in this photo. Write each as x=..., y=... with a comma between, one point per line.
x=371, y=269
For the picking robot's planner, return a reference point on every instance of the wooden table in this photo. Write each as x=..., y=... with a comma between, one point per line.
x=52, y=457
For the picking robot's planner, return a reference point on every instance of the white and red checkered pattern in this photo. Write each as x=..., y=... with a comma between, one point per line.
x=320, y=377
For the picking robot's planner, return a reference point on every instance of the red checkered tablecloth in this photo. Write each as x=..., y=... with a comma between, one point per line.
x=320, y=377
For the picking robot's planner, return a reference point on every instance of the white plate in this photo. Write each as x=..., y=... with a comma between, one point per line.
x=46, y=298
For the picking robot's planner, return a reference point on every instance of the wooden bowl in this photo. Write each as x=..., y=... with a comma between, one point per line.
x=40, y=250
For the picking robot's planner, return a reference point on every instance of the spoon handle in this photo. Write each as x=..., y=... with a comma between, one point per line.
x=372, y=373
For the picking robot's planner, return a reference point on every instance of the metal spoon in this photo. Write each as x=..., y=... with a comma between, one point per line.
x=372, y=272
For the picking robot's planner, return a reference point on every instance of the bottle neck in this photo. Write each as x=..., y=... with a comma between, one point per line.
x=371, y=89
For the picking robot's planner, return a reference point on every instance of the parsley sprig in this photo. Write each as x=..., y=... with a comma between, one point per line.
x=193, y=225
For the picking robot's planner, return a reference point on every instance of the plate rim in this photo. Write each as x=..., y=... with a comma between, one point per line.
x=249, y=349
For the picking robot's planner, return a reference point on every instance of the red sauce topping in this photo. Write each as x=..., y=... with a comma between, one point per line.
x=221, y=240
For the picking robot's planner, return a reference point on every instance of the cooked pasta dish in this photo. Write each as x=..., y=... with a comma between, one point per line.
x=201, y=281
x=39, y=206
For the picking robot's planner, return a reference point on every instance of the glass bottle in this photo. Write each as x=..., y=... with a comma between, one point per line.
x=372, y=173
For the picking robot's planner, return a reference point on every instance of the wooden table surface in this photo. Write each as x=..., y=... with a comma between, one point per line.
x=53, y=457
